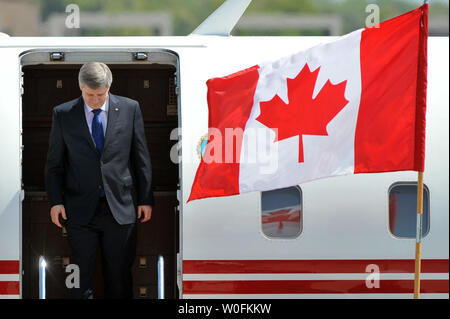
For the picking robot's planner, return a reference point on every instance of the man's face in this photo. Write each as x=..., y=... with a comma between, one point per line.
x=94, y=97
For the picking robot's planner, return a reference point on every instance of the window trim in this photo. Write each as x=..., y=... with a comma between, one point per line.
x=425, y=190
x=301, y=216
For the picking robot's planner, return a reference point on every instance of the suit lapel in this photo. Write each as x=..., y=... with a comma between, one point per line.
x=113, y=114
x=84, y=128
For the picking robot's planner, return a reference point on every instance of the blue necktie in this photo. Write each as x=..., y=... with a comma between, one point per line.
x=97, y=130
x=97, y=134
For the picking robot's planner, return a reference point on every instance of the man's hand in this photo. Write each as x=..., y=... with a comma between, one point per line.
x=146, y=212
x=54, y=213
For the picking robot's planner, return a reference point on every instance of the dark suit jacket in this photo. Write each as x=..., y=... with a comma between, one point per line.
x=75, y=170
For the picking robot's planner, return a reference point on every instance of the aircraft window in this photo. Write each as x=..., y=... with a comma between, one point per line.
x=281, y=211
x=403, y=210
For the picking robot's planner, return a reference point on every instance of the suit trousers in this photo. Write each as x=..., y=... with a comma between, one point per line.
x=118, y=250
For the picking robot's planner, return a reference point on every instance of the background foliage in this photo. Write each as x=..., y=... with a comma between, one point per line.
x=188, y=14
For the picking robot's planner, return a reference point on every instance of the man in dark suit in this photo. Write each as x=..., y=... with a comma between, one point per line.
x=98, y=178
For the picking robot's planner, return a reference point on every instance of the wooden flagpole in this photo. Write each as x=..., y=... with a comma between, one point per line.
x=419, y=219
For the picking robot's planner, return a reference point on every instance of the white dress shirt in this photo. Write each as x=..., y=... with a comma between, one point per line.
x=103, y=115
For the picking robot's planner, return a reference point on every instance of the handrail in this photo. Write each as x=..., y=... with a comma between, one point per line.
x=160, y=277
x=42, y=287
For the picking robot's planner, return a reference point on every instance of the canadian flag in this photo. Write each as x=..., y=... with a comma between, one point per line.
x=355, y=105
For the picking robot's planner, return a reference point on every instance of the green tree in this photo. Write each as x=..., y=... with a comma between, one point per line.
x=188, y=14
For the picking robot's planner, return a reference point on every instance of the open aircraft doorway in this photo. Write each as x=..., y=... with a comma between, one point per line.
x=50, y=78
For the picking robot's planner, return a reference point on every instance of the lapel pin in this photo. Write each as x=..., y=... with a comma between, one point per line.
x=116, y=109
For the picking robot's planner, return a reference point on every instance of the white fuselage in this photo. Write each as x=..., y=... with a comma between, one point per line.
x=223, y=251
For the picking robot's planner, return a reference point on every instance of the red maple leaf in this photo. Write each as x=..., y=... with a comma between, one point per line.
x=303, y=115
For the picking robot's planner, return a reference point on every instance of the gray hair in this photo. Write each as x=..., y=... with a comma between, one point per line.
x=95, y=75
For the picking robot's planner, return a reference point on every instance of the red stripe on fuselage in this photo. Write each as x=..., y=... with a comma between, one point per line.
x=310, y=287
x=310, y=266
